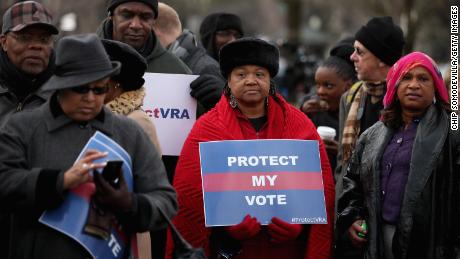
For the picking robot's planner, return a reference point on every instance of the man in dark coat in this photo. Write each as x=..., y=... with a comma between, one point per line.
x=26, y=57
x=378, y=45
x=26, y=62
x=131, y=22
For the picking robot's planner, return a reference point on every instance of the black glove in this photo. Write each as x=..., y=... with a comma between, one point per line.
x=117, y=200
x=207, y=89
x=99, y=221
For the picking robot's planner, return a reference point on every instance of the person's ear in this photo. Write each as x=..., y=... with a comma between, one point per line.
x=381, y=64
x=3, y=42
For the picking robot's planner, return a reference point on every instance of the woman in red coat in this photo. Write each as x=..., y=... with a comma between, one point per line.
x=249, y=109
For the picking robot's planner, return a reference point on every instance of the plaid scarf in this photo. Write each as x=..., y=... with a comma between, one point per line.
x=352, y=126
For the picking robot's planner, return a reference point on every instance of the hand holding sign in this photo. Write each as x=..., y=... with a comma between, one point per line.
x=248, y=228
x=281, y=231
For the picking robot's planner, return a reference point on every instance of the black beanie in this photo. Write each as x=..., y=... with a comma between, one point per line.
x=383, y=38
x=114, y=3
x=249, y=51
x=217, y=22
x=343, y=49
x=133, y=65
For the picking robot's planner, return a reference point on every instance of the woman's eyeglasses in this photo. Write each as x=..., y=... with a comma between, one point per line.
x=84, y=89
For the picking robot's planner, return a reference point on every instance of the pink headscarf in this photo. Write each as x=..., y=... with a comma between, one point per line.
x=406, y=63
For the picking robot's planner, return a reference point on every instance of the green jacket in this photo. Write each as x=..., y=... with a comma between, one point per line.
x=159, y=60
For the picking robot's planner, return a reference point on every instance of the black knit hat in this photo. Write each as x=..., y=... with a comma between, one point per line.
x=133, y=65
x=343, y=49
x=249, y=51
x=218, y=22
x=383, y=38
x=114, y=3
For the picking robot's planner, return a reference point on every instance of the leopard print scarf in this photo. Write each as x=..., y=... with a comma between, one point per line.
x=127, y=102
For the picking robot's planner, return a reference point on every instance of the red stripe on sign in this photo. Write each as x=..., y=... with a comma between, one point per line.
x=217, y=182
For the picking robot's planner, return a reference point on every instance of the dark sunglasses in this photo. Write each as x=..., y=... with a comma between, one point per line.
x=84, y=89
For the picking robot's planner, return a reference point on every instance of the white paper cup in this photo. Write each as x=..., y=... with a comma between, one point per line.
x=326, y=132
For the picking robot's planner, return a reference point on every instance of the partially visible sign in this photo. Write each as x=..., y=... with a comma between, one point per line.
x=171, y=108
x=70, y=218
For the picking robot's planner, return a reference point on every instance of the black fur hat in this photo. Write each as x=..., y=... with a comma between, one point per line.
x=249, y=51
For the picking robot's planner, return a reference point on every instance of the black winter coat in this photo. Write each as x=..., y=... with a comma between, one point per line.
x=429, y=224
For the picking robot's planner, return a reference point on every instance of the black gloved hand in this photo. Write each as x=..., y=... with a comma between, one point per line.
x=117, y=200
x=207, y=89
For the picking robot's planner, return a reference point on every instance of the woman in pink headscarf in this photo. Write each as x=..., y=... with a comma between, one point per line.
x=403, y=180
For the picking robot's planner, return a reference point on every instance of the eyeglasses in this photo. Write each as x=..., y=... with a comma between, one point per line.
x=84, y=89
x=27, y=38
x=229, y=33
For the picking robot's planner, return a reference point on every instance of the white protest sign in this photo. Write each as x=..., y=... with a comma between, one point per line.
x=171, y=108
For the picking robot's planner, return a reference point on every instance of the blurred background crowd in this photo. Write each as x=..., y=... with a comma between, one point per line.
x=305, y=30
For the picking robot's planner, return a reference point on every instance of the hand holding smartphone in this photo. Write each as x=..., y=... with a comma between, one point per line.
x=111, y=172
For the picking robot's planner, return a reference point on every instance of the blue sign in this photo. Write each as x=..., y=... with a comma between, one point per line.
x=262, y=178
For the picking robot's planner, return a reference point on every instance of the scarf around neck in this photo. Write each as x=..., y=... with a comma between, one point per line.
x=352, y=126
x=127, y=102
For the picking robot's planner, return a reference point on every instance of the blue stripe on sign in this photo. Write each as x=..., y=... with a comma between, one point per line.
x=260, y=156
x=229, y=208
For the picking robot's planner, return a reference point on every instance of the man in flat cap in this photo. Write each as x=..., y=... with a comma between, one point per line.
x=26, y=63
x=26, y=57
x=378, y=45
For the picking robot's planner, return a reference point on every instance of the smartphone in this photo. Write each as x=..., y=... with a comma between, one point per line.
x=110, y=172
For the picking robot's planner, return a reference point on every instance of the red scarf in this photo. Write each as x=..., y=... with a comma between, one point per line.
x=222, y=123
